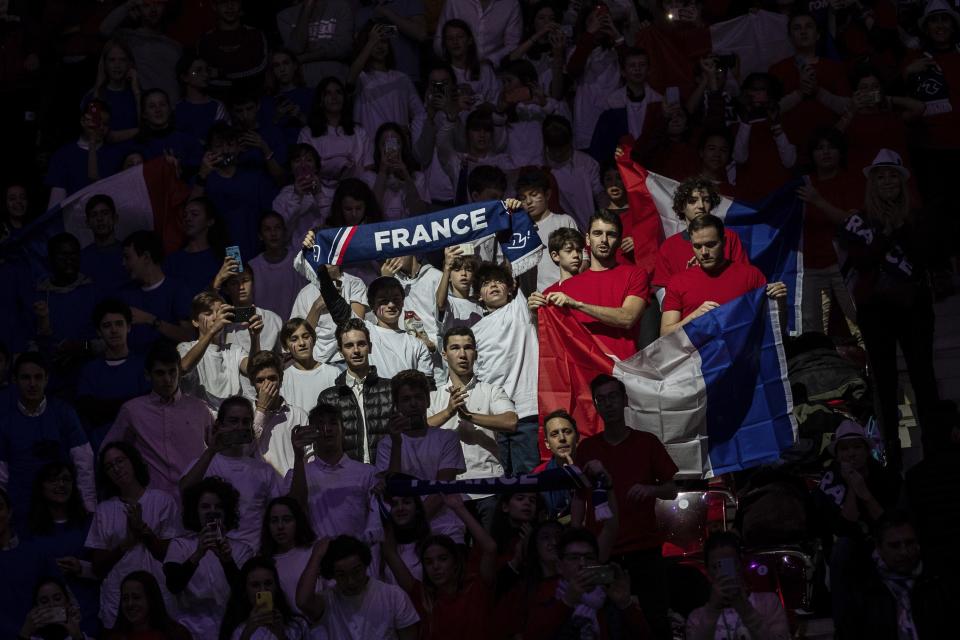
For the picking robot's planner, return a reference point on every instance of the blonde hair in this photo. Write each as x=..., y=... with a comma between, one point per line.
x=889, y=215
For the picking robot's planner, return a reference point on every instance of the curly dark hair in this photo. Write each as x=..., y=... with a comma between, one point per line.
x=488, y=271
x=229, y=499
x=686, y=188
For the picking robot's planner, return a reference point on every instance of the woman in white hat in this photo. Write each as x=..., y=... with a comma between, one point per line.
x=883, y=256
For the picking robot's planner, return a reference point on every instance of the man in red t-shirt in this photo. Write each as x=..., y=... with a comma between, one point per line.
x=608, y=298
x=715, y=281
x=642, y=471
x=815, y=89
x=694, y=197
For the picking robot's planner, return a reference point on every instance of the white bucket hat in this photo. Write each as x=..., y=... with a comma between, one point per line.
x=887, y=158
x=938, y=6
x=848, y=430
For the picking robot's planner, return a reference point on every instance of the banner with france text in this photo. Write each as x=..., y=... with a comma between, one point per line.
x=770, y=230
x=426, y=233
x=715, y=391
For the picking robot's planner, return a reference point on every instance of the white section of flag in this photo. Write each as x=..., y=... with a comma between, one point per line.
x=130, y=195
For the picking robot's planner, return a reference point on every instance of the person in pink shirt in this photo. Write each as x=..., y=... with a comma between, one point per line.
x=166, y=425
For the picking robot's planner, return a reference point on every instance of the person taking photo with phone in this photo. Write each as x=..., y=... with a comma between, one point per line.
x=259, y=609
x=213, y=369
x=733, y=611
x=335, y=491
x=201, y=565
x=228, y=456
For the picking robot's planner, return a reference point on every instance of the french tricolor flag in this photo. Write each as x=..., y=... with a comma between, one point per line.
x=770, y=231
x=149, y=196
x=715, y=391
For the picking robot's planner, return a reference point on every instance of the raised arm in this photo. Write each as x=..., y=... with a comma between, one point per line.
x=311, y=603
x=222, y=317
x=339, y=308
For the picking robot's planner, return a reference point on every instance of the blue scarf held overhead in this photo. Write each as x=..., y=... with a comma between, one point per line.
x=566, y=477
x=429, y=232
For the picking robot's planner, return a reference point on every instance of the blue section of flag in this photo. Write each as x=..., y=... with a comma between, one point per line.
x=771, y=231
x=749, y=407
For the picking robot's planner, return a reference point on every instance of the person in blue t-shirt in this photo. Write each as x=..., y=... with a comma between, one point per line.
x=197, y=111
x=62, y=304
x=158, y=136
x=78, y=164
x=118, y=86
x=241, y=194
x=262, y=145
x=159, y=305
x=197, y=263
x=110, y=380
x=21, y=565
x=102, y=261
x=288, y=99
x=37, y=431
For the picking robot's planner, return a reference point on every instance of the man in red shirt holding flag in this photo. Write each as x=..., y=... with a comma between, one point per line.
x=714, y=281
x=608, y=298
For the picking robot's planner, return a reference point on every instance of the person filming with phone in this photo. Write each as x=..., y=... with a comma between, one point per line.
x=733, y=611
x=229, y=456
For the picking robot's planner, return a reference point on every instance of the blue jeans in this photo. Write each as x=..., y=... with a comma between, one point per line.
x=519, y=451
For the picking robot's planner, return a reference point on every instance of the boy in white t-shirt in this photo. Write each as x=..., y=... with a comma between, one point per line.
x=391, y=348
x=309, y=305
x=357, y=607
x=533, y=189
x=336, y=491
x=239, y=288
x=274, y=419
x=228, y=456
x=417, y=450
x=305, y=378
x=455, y=306
x=214, y=369
x=508, y=355
x=419, y=281
x=476, y=411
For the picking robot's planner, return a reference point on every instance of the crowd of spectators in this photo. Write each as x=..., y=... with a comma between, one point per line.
x=198, y=442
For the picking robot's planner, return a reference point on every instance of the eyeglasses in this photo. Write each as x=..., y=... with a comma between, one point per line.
x=110, y=466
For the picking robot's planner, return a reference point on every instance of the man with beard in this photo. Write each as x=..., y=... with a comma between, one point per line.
x=608, y=298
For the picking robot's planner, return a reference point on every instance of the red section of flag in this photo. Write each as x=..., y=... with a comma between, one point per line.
x=570, y=357
x=646, y=229
x=168, y=195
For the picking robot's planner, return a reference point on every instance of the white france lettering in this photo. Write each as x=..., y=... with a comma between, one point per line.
x=440, y=228
x=381, y=238
x=401, y=238
x=420, y=235
x=478, y=219
x=456, y=224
